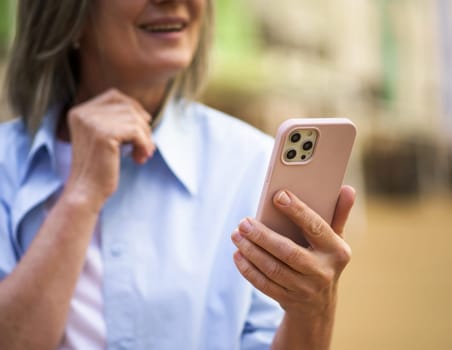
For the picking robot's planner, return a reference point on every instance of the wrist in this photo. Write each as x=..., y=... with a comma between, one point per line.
x=313, y=325
x=317, y=317
x=82, y=200
x=305, y=331
x=321, y=308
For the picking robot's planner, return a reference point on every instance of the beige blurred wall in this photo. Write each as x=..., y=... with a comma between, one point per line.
x=325, y=58
x=329, y=58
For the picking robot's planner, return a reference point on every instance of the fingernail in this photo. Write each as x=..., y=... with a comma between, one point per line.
x=238, y=256
x=236, y=236
x=245, y=226
x=283, y=198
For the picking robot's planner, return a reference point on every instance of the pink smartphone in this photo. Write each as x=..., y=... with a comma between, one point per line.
x=309, y=158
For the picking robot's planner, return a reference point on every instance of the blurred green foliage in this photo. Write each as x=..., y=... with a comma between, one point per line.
x=6, y=24
x=235, y=28
x=238, y=48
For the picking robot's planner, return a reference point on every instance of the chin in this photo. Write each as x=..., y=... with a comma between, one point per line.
x=169, y=61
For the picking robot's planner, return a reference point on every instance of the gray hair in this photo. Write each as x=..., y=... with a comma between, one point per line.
x=44, y=69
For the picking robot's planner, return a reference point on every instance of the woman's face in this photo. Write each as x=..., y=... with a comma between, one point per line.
x=139, y=44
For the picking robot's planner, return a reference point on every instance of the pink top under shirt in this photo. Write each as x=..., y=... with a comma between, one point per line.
x=85, y=328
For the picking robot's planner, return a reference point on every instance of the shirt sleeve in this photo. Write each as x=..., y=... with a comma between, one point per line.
x=7, y=256
x=263, y=320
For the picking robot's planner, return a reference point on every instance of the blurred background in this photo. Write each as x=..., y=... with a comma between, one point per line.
x=387, y=65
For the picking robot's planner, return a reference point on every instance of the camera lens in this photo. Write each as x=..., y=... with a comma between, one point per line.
x=307, y=145
x=291, y=154
x=295, y=137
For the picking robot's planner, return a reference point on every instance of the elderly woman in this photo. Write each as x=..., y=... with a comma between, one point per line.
x=118, y=195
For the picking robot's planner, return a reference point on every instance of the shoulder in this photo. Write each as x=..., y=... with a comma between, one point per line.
x=12, y=133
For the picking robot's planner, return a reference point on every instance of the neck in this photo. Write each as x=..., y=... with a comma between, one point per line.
x=151, y=98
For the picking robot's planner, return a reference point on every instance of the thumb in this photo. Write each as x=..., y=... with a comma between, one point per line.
x=343, y=207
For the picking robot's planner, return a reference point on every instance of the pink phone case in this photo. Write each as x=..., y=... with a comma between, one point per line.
x=316, y=181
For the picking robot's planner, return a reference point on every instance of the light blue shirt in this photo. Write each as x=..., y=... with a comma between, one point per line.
x=169, y=278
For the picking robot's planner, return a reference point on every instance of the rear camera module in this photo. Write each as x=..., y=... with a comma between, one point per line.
x=291, y=154
x=295, y=137
x=307, y=146
x=299, y=145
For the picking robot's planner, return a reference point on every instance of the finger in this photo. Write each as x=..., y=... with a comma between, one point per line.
x=146, y=127
x=115, y=96
x=146, y=122
x=123, y=119
x=282, y=248
x=273, y=268
x=117, y=113
x=343, y=207
x=134, y=107
x=109, y=96
x=139, y=109
x=144, y=119
x=316, y=230
x=135, y=134
x=118, y=96
x=142, y=147
x=258, y=279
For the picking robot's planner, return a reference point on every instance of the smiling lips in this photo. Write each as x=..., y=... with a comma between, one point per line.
x=164, y=27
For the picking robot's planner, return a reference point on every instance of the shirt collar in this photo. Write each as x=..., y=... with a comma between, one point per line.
x=176, y=141
x=173, y=137
x=44, y=138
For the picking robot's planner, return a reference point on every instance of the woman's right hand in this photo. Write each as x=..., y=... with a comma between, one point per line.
x=98, y=128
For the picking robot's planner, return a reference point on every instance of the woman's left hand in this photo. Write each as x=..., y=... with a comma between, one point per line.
x=303, y=280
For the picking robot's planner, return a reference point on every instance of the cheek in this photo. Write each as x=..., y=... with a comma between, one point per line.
x=199, y=14
x=199, y=9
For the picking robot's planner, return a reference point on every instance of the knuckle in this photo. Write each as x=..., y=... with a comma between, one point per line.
x=257, y=234
x=133, y=130
x=247, y=270
x=79, y=119
x=114, y=92
x=247, y=249
x=274, y=270
x=263, y=285
x=137, y=129
x=316, y=227
x=293, y=255
x=343, y=255
x=129, y=115
x=74, y=115
x=72, y=122
x=298, y=211
x=111, y=143
x=325, y=278
x=285, y=246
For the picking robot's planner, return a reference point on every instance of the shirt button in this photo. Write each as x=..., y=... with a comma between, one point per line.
x=124, y=344
x=116, y=251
